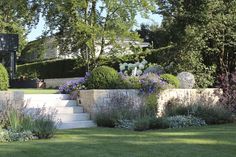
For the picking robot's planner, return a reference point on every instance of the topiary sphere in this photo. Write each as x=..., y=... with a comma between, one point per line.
x=103, y=77
x=4, y=80
x=186, y=79
x=171, y=79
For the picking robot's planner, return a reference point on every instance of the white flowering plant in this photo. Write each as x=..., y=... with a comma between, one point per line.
x=133, y=69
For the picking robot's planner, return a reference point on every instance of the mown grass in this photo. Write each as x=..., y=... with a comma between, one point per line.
x=210, y=141
x=35, y=90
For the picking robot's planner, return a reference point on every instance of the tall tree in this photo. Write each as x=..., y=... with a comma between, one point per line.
x=203, y=31
x=19, y=17
x=86, y=23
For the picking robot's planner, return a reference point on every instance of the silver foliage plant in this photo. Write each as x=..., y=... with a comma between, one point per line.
x=180, y=121
x=187, y=80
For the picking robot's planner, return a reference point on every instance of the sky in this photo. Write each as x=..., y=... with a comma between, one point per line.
x=38, y=30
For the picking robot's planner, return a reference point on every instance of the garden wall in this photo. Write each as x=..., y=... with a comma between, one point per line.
x=91, y=99
x=56, y=82
x=11, y=97
x=187, y=96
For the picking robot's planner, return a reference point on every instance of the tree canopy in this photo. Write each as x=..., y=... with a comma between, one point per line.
x=19, y=17
x=86, y=23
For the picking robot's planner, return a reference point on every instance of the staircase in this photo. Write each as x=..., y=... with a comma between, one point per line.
x=67, y=111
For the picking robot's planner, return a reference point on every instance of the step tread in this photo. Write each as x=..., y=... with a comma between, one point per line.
x=47, y=96
x=65, y=117
x=77, y=124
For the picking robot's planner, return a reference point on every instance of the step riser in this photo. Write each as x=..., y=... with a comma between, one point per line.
x=79, y=124
x=45, y=103
x=47, y=96
x=73, y=117
x=67, y=111
x=60, y=110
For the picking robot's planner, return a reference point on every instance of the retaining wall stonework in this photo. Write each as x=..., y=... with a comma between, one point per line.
x=187, y=97
x=91, y=99
x=11, y=97
x=55, y=83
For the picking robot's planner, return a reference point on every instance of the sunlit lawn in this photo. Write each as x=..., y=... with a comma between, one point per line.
x=211, y=141
x=35, y=90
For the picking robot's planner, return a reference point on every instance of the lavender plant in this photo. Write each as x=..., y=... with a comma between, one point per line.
x=71, y=86
x=152, y=83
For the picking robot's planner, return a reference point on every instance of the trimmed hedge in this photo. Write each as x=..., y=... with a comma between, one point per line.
x=52, y=69
x=65, y=68
x=4, y=80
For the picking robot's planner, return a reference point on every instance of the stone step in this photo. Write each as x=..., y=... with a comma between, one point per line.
x=77, y=124
x=63, y=117
x=47, y=96
x=50, y=103
x=69, y=110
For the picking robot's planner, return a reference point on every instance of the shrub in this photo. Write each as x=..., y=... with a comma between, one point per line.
x=11, y=114
x=4, y=80
x=103, y=77
x=151, y=104
x=181, y=121
x=121, y=108
x=106, y=119
x=142, y=124
x=129, y=82
x=15, y=117
x=44, y=127
x=125, y=124
x=71, y=86
x=151, y=83
x=133, y=69
x=171, y=79
x=158, y=123
x=211, y=114
x=18, y=121
x=44, y=122
x=228, y=85
x=9, y=136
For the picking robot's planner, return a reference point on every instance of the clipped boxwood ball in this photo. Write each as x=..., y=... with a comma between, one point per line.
x=170, y=79
x=4, y=80
x=103, y=77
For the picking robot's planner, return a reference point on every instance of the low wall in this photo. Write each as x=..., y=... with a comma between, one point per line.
x=55, y=83
x=187, y=96
x=11, y=97
x=90, y=99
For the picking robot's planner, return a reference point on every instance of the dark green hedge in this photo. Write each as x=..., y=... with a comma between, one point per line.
x=51, y=69
x=66, y=68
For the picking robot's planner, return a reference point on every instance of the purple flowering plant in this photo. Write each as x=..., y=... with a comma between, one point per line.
x=70, y=86
x=152, y=83
x=147, y=83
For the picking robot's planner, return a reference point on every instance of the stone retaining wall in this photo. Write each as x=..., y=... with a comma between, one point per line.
x=91, y=99
x=11, y=97
x=56, y=82
x=187, y=97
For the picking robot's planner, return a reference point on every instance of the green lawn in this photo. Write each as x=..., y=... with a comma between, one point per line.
x=35, y=90
x=211, y=141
